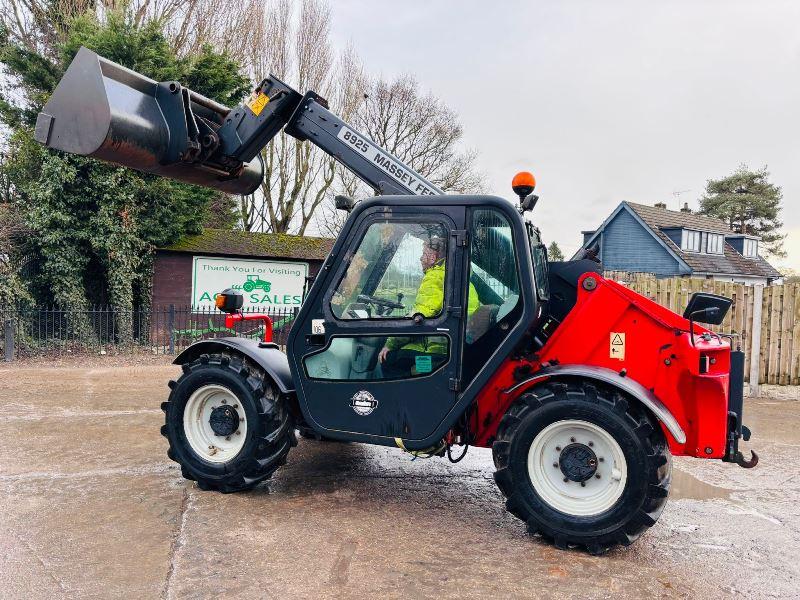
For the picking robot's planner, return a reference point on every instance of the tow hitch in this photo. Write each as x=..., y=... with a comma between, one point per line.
x=734, y=454
x=735, y=407
x=747, y=464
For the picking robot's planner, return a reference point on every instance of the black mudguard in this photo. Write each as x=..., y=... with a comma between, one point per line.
x=625, y=384
x=268, y=356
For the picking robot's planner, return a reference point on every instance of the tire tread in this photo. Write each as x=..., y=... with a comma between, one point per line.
x=644, y=427
x=275, y=428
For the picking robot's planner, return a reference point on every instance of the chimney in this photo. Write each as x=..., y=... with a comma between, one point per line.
x=660, y=205
x=686, y=208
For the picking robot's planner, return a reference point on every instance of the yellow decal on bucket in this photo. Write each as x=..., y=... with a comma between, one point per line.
x=257, y=103
x=617, y=345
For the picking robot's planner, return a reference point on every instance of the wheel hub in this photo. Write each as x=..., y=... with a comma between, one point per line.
x=577, y=467
x=578, y=462
x=223, y=420
x=214, y=423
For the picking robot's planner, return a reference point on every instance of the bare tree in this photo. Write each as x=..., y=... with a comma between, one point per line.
x=13, y=230
x=231, y=26
x=298, y=175
x=417, y=128
x=38, y=25
x=288, y=39
x=421, y=131
x=349, y=95
x=292, y=41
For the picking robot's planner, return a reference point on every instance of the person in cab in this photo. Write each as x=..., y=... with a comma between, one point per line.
x=402, y=356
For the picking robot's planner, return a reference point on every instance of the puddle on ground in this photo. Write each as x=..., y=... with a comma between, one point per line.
x=689, y=487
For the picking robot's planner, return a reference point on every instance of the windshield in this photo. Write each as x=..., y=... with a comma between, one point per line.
x=397, y=270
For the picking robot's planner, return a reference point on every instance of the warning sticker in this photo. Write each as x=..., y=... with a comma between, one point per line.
x=617, y=345
x=257, y=103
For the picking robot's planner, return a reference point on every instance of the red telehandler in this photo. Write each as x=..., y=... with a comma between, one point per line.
x=583, y=389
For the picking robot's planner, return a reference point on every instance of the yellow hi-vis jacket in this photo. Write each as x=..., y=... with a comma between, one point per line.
x=430, y=297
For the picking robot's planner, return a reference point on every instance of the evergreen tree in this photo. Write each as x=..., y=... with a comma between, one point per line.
x=93, y=226
x=554, y=253
x=749, y=204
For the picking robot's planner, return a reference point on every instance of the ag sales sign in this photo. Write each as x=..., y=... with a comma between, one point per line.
x=264, y=284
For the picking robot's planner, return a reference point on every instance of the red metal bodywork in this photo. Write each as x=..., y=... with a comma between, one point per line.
x=658, y=354
x=232, y=318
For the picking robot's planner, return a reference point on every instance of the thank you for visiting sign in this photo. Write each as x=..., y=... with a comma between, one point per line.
x=264, y=284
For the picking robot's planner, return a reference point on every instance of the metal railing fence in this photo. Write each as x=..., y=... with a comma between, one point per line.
x=109, y=330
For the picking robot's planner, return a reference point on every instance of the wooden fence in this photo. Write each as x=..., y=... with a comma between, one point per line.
x=778, y=335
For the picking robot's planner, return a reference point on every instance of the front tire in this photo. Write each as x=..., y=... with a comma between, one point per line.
x=226, y=424
x=582, y=465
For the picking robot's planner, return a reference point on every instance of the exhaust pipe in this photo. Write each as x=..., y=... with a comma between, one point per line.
x=106, y=111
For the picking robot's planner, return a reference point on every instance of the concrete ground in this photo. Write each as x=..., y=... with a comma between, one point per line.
x=91, y=507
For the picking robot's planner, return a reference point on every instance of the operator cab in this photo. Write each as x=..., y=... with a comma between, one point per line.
x=414, y=309
x=387, y=279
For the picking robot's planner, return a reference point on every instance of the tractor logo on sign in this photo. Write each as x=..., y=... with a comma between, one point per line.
x=363, y=403
x=254, y=282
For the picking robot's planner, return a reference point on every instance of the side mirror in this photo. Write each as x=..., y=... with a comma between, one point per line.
x=591, y=253
x=229, y=301
x=707, y=308
x=528, y=202
x=344, y=203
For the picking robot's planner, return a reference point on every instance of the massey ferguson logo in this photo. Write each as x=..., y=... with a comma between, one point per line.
x=363, y=403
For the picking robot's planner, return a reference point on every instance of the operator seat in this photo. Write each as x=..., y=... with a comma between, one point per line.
x=481, y=321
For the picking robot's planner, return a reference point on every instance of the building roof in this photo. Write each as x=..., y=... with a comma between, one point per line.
x=263, y=245
x=729, y=263
x=662, y=218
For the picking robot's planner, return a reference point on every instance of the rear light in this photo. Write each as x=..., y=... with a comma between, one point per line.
x=229, y=301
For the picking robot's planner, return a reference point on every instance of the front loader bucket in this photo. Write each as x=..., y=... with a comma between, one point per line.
x=106, y=111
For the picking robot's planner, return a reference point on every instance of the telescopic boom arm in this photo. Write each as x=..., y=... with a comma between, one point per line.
x=383, y=172
x=104, y=110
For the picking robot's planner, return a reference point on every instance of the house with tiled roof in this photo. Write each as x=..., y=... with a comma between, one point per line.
x=651, y=239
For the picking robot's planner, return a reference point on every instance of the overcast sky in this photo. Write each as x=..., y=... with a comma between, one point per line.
x=603, y=100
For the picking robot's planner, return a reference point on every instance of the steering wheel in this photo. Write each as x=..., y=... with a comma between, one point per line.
x=383, y=306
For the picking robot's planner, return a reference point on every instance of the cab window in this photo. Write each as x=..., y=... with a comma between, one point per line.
x=352, y=358
x=539, y=258
x=397, y=271
x=494, y=278
x=493, y=272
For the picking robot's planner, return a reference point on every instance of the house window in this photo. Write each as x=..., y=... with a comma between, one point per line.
x=750, y=248
x=690, y=240
x=714, y=244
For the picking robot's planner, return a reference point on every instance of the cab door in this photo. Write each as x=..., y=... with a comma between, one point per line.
x=375, y=351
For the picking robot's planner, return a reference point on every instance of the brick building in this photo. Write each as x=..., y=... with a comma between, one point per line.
x=270, y=269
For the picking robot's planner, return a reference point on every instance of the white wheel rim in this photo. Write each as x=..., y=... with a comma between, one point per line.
x=197, y=425
x=598, y=494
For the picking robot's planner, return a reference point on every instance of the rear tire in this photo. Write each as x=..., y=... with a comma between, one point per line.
x=248, y=437
x=582, y=465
